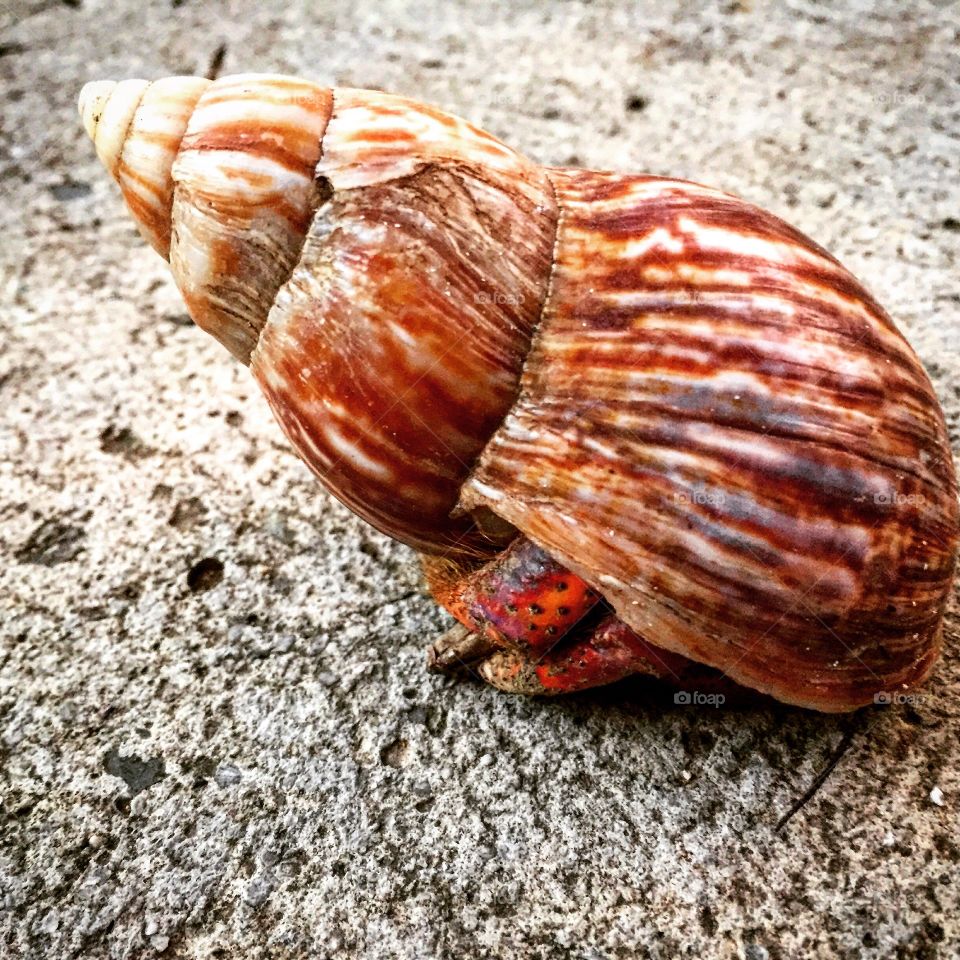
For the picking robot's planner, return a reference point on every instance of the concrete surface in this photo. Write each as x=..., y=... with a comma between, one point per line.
x=250, y=761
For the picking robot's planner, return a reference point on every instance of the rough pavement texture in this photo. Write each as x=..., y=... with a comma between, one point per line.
x=248, y=760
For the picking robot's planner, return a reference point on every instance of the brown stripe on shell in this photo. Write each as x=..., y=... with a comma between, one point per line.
x=290, y=148
x=245, y=195
x=153, y=138
x=767, y=491
x=396, y=347
x=385, y=137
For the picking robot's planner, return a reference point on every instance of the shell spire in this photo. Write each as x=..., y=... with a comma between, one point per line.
x=232, y=163
x=137, y=127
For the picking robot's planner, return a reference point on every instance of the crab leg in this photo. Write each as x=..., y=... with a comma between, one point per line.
x=596, y=655
x=522, y=599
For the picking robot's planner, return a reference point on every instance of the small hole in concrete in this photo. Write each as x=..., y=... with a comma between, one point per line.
x=205, y=574
x=396, y=754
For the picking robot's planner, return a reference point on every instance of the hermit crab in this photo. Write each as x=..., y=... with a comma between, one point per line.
x=632, y=424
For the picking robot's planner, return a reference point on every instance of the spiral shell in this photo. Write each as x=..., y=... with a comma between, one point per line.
x=137, y=128
x=674, y=393
x=731, y=440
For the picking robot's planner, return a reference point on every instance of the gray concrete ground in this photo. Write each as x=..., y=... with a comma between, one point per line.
x=253, y=762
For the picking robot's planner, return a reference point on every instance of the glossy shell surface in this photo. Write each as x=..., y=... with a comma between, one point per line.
x=395, y=349
x=675, y=394
x=723, y=432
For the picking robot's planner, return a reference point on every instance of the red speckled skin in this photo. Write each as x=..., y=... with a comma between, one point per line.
x=609, y=651
x=523, y=599
x=604, y=651
x=551, y=631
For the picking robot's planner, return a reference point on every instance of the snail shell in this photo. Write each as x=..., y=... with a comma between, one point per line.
x=674, y=393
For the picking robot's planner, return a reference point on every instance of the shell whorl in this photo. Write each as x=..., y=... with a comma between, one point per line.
x=397, y=345
x=724, y=433
x=137, y=127
x=385, y=296
x=219, y=177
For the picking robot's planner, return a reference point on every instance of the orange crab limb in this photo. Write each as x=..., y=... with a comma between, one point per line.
x=523, y=598
x=599, y=653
